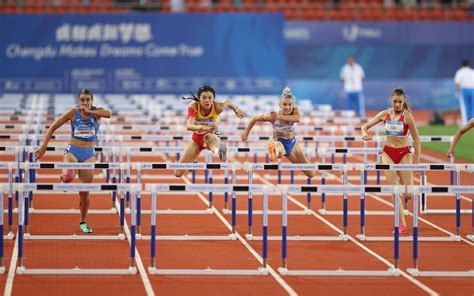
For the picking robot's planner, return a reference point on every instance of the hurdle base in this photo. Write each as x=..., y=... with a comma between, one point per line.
x=28, y=236
x=451, y=238
x=181, y=212
x=416, y=272
x=2, y=270
x=441, y=211
x=341, y=237
x=208, y=271
x=76, y=271
x=9, y=236
x=356, y=213
x=340, y=272
x=69, y=211
x=187, y=237
x=269, y=212
x=470, y=237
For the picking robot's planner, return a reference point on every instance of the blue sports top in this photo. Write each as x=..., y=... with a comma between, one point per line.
x=84, y=129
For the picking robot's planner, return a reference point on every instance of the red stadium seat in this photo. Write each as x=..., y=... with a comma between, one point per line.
x=368, y=14
x=401, y=14
x=457, y=15
x=435, y=14
x=341, y=14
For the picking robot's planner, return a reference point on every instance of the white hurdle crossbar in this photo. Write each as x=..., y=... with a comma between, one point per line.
x=156, y=188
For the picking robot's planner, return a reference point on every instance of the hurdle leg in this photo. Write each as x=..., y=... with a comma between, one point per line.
x=308, y=195
x=458, y=203
x=284, y=217
x=423, y=200
x=363, y=181
x=139, y=200
x=20, y=229
x=415, y=230
x=2, y=266
x=10, y=198
x=226, y=194
x=396, y=227
x=133, y=229
x=234, y=203
x=153, y=230
x=250, y=205
x=345, y=204
x=265, y=229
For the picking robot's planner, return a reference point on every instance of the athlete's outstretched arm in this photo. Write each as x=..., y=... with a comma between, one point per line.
x=376, y=120
x=257, y=118
x=68, y=115
x=228, y=104
x=99, y=112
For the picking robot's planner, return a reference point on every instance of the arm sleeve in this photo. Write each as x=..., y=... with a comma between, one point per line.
x=191, y=112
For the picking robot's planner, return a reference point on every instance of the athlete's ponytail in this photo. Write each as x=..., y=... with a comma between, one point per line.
x=193, y=97
x=286, y=94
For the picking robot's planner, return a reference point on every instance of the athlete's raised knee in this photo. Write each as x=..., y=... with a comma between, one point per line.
x=68, y=177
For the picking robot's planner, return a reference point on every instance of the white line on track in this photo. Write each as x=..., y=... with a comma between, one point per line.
x=12, y=269
x=138, y=258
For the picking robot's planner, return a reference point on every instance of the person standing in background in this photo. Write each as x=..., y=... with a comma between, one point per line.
x=352, y=76
x=464, y=80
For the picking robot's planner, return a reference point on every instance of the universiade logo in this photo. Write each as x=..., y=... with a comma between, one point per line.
x=355, y=32
x=124, y=32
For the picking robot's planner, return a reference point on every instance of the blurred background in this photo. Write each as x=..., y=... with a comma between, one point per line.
x=239, y=46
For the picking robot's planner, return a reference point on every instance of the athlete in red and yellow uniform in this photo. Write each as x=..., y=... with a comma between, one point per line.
x=203, y=117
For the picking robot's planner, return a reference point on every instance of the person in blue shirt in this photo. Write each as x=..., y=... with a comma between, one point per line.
x=84, y=119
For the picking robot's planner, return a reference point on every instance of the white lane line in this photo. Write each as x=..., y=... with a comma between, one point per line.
x=138, y=258
x=12, y=269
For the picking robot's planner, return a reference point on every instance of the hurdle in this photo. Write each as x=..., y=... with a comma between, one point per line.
x=209, y=210
x=33, y=166
x=156, y=188
x=28, y=236
x=415, y=270
x=10, y=235
x=424, y=167
x=344, y=190
x=291, y=167
x=24, y=188
x=2, y=237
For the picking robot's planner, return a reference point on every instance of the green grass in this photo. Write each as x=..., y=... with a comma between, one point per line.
x=464, y=148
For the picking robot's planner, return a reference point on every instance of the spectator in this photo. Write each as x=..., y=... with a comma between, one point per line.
x=464, y=80
x=352, y=75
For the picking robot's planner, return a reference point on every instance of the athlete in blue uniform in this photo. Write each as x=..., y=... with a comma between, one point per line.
x=85, y=120
x=283, y=122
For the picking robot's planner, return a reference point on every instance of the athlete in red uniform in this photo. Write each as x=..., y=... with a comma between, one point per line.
x=398, y=122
